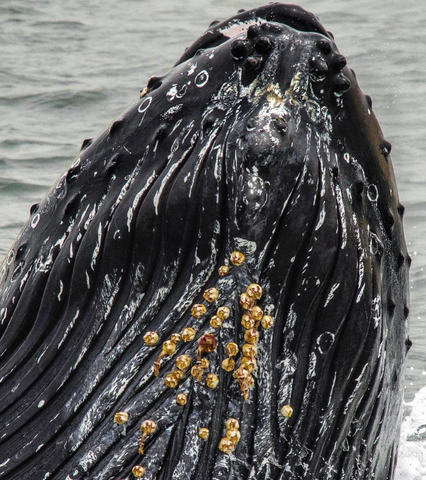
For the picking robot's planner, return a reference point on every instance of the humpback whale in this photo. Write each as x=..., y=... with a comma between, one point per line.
x=217, y=287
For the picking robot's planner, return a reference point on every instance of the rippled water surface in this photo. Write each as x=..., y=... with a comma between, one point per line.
x=69, y=68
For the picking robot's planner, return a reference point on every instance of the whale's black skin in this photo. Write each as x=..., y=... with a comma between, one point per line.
x=259, y=140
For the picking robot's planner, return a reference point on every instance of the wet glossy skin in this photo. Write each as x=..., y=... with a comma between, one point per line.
x=258, y=141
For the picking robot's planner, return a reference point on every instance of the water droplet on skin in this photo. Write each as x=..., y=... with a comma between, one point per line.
x=255, y=192
x=35, y=220
x=201, y=79
x=372, y=193
x=182, y=91
x=143, y=107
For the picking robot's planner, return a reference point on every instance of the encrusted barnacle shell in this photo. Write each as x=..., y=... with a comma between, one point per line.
x=204, y=433
x=211, y=294
x=226, y=445
x=198, y=310
x=287, y=411
x=121, y=418
x=151, y=338
x=188, y=334
x=254, y=290
x=267, y=322
x=181, y=399
x=237, y=258
x=223, y=312
x=224, y=270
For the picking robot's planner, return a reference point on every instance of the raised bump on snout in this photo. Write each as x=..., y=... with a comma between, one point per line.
x=239, y=49
x=86, y=143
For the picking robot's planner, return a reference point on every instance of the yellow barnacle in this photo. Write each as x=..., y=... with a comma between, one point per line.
x=223, y=313
x=251, y=336
x=188, y=334
x=183, y=362
x=169, y=347
x=287, y=411
x=256, y=313
x=151, y=338
x=267, y=322
x=138, y=471
x=223, y=270
x=247, y=322
x=233, y=435
x=177, y=373
x=171, y=381
x=254, y=290
x=204, y=362
x=237, y=258
x=232, y=349
x=249, y=350
x=198, y=310
x=248, y=363
x=228, y=364
x=204, y=433
x=232, y=424
x=211, y=295
x=246, y=302
x=148, y=427
x=212, y=380
x=216, y=322
x=181, y=399
x=121, y=418
x=226, y=445
x=197, y=372
x=175, y=338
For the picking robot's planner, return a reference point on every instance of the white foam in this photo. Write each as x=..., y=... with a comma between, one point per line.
x=412, y=449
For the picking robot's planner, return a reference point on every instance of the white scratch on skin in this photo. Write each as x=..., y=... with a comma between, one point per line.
x=312, y=365
x=83, y=214
x=42, y=353
x=97, y=248
x=341, y=207
x=24, y=279
x=331, y=294
x=177, y=125
x=54, y=418
x=61, y=289
x=39, y=447
x=3, y=315
x=358, y=384
x=361, y=293
x=321, y=218
x=41, y=403
x=332, y=389
x=169, y=174
x=377, y=310
x=87, y=279
x=68, y=329
x=90, y=218
x=132, y=209
x=5, y=463
x=205, y=149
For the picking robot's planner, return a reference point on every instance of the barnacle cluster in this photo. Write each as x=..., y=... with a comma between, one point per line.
x=239, y=359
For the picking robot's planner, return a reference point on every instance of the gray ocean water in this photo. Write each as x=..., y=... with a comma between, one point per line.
x=68, y=69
